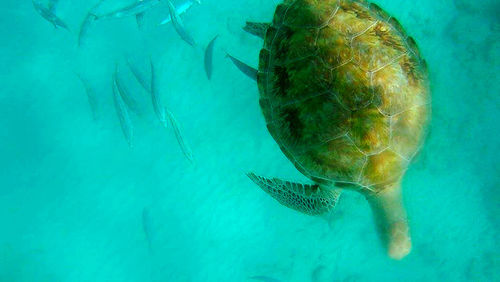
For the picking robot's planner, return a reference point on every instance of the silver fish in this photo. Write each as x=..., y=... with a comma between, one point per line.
x=147, y=227
x=124, y=93
x=130, y=10
x=87, y=23
x=155, y=95
x=244, y=68
x=84, y=28
x=123, y=116
x=179, y=25
x=91, y=96
x=48, y=15
x=139, y=76
x=180, y=139
x=180, y=9
x=209, y=56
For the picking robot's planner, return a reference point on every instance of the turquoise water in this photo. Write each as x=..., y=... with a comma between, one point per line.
x=78, y=204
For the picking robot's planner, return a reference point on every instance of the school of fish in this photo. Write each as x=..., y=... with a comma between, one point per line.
x=124, y=101
x=123, y=98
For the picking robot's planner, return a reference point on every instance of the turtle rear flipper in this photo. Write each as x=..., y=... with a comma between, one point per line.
x=257, y=29
x=305, y=198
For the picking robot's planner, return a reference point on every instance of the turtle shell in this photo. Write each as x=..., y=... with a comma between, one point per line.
x=344, y=91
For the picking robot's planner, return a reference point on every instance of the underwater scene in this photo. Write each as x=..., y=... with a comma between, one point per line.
x=250, y=140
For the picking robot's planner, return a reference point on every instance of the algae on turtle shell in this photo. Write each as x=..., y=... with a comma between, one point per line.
x=344, y=92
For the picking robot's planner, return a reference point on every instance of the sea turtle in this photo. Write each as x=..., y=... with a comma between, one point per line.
x=344, y=92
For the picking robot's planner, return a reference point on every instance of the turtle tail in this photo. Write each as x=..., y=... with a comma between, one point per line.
x=391, y=220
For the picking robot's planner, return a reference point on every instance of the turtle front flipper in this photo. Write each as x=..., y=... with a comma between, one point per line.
x=257, y=29
x=309, y=199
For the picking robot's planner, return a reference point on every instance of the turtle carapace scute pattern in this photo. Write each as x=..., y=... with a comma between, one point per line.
x=344, y=92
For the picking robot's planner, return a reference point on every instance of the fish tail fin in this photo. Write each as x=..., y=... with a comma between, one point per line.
x=224, y=50
x=96, y=17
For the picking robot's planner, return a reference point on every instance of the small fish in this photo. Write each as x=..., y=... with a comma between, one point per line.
x=180, y=139
x=181, y=9
x=264, y=278
x=48, y=15
x=123, y=116
x=244, y=68
x=179, y=25
x=155, y=95
x=90, y=96
x=209, y=56
x=84, y=28
x=139, y=76
x=130, y=10
x=147, y=226
x=87, y=23
x=124, y=93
